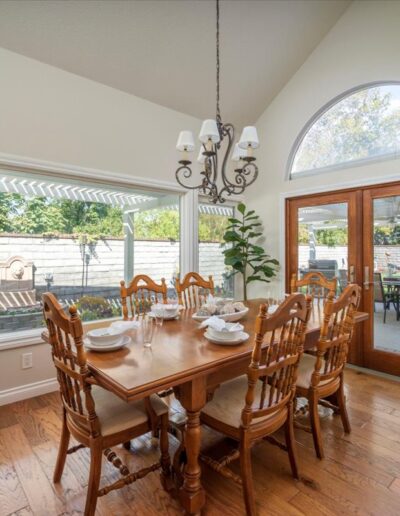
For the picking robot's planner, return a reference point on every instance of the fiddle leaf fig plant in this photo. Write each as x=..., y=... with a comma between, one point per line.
x=244, y=255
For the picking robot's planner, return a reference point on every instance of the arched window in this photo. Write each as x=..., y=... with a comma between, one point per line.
x=358, y=126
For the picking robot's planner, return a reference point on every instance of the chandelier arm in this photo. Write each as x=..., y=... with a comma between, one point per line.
x=247, y=170
x=215, y=165
x=229, y=131
x=186, y=172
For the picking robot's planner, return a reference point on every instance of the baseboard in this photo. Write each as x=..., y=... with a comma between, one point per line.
x=30, y=390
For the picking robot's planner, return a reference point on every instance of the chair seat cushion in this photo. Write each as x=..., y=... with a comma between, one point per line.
x=116, y=415
x=229, y=401
x=306, y=369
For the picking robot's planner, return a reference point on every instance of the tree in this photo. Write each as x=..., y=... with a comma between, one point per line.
x=10, y=205
x=361, y=125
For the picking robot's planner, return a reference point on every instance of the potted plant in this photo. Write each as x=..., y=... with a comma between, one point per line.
x=244, y=256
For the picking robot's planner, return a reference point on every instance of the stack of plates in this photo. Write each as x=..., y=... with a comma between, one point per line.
x=237, y=338
x=106, y=339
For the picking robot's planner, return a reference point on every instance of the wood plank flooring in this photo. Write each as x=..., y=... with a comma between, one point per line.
x=359, y=476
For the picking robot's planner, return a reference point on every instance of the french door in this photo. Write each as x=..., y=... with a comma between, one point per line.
x=354, y=235
x=381, y=282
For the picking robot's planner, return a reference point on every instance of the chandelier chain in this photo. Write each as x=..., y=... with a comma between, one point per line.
x=218, y=113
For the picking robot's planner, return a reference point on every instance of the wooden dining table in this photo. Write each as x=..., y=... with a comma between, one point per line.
x=182, y=358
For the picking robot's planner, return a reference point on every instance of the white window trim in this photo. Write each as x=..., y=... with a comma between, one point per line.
x=188, y=219
x=338, y=166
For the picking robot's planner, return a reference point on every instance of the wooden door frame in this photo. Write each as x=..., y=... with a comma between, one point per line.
x=375, y=358
x=357, y=353
x=353, y=199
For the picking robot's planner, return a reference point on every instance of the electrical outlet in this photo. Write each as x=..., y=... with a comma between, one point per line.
x=27, y=360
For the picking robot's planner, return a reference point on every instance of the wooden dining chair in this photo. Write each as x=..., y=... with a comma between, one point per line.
x=321, y=377
x=252, y=407
x=316, y=284
x=140, y=294
x=193, y=290
x=96, y=417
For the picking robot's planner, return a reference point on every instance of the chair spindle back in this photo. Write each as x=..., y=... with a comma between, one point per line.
x=276, y=364
x=140, y=294
x=336, y=333
x=314, y=284
x=193, y=290
x=71, y=366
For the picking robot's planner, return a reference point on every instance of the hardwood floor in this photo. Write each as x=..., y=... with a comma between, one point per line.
x=360, y=474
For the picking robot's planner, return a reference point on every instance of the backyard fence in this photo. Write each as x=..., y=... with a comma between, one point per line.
x=62, y=259
x=383, y=255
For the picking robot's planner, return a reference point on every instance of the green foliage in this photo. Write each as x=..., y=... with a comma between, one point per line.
x=92, y=308
x=329, y=237
x=157, y=224
x=50, y=217
x=387, y=235
x=362, y=125
x=246, y=257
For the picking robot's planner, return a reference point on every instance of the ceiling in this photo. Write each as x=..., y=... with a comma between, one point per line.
x=164, y=50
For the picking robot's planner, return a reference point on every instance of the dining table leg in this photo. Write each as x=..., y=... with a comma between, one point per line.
x=192, y=396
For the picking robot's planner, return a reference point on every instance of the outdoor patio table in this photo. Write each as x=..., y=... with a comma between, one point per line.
x=182, y=358
x=393, y=285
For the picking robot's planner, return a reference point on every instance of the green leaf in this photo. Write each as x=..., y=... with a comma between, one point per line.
x=234, y=221
x=257, y=249
x=250, y=213
x=241, y=208
x=253, y=278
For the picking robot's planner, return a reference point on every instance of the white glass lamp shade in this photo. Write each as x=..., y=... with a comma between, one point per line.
x=249, y=138
x=238, y=153
x=185, y=141
x=209, y=131
x=201, y=158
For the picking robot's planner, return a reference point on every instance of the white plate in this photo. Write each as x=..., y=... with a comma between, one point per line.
x=165, y=317
x=236, y=316
x=243, y=337
x=112, y=347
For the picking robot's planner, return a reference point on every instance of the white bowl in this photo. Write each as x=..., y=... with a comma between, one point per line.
x=235, y=316
x=105, y=336
x=225, y=335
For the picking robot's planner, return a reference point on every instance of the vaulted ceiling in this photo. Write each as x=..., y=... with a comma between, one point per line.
x=164, y=50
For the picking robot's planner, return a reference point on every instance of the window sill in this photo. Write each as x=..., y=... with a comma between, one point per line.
x=26, y=338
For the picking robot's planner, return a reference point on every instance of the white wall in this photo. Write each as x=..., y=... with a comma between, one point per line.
x=362, y=47
x=51, y=115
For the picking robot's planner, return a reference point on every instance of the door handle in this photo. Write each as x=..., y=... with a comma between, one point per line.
x=352, y=274
x=366, y=277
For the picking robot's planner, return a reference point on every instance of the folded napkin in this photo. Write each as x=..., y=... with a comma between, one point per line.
x=218, y=324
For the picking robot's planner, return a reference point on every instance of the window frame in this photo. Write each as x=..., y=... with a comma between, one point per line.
x=187, y=200
x=231, y=203
x=339, y=166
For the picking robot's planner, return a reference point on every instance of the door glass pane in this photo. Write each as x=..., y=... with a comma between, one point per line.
x=323, y=241
x=213, y=220
x=387, y=273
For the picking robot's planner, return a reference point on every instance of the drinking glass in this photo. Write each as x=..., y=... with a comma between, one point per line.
x=158, y=315
x=147, y=327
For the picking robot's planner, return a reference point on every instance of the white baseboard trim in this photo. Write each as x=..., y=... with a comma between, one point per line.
x=30, y=390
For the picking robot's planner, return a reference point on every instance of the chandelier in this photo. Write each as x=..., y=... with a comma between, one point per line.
x=212, y=134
